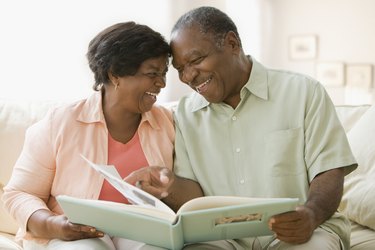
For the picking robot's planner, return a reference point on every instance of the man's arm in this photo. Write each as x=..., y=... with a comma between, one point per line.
x=323, y=200
x=181, y=191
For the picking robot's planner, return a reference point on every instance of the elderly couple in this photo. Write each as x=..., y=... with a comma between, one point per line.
x=245, y=131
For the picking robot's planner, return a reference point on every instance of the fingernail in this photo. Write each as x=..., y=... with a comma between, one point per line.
x=164, y=179
x=164, y=194
x=92, y=230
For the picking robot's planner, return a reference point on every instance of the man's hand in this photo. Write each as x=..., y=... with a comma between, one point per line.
x=323, y=199
x=154, y=180
x=164, y=184
x=294, y=227
x=45, y=224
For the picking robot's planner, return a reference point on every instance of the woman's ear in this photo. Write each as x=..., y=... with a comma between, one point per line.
x=114, y=79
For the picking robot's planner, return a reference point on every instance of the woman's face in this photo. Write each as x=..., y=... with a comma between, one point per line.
x=138, y=93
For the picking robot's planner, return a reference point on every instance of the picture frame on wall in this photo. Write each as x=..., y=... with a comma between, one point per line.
x=359, y=76
x=303, y=47
x=331, y=74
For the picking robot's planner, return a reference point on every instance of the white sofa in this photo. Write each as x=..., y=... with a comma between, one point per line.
x=358, y=201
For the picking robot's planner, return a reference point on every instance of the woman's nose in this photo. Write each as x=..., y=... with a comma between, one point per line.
x=161, y=81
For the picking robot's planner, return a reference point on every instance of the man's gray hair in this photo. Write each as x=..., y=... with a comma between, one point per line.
x=209, y=21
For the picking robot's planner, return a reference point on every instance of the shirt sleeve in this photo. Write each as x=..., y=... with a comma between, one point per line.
x=29, y=187
x=326, y=144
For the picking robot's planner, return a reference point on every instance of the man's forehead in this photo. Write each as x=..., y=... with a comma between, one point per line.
x=186, y=32
x=190, y=42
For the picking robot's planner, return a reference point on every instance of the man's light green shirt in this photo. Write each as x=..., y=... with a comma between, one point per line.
x=282, y=134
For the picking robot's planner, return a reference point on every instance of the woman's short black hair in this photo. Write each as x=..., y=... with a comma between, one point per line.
x=209, y=20
x=121, y=48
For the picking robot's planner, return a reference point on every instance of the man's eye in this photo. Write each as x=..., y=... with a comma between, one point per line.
x=197, y=60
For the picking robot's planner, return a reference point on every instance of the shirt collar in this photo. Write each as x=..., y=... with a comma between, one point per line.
x=92, y=110
x=257, y=85
x=150, y=117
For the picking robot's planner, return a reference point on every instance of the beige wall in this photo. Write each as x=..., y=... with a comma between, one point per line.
x=44, y=43
x=345, y=31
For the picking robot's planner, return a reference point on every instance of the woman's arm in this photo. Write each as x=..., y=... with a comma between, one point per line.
x=45, y=224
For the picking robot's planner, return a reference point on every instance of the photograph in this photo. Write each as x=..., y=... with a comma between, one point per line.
x=330, y=74
x=303, y=47
x=359, y=75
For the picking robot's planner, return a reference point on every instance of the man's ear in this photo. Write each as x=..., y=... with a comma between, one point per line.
x=233, y=41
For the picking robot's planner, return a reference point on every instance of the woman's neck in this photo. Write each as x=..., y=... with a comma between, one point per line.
x=121, y=124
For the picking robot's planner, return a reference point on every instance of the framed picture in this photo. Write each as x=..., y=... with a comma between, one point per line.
x=303, y=47
x=359, y=75
x=330, y=74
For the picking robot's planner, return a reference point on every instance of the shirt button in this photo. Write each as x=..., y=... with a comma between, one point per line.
x=234, y=118
x=238, y=150
x=242, y=181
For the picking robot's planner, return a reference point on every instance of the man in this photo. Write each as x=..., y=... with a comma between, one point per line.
x=252, y=131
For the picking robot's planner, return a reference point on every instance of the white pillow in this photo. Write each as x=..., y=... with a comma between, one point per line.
x=350, y=114
x=358, y=201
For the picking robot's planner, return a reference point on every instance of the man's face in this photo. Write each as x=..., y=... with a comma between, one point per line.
x=202, y=64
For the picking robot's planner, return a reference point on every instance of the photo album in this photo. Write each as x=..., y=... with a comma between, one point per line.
x=151, y=221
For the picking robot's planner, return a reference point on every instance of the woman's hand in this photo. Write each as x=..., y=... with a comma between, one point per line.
x=45, y=224
x=153, y=179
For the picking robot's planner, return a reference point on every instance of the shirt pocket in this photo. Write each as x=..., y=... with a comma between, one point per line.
x=284, y=152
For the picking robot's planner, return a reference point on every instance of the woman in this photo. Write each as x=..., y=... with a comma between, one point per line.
x=118, y=125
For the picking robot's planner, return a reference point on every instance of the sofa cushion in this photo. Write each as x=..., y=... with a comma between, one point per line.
x=361, y=238
x=359, y=189
x=7, y=242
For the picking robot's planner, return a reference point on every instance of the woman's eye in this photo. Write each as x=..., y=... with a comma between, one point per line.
x=152, y=74
x=156, y=74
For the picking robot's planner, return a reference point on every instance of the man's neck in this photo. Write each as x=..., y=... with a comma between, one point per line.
x=244, y=70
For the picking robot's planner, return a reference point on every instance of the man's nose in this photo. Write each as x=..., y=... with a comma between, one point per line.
x=188, y=75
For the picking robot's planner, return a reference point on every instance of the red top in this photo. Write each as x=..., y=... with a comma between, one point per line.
x=126, y=158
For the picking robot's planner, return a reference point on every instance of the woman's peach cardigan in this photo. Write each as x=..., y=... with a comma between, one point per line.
x=50, y=162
